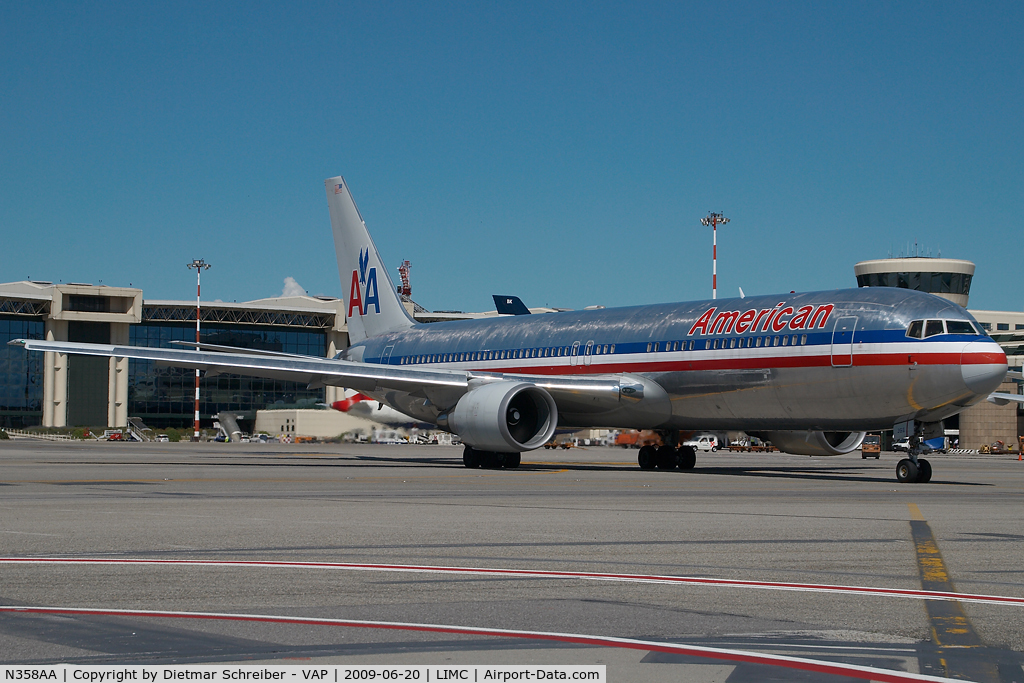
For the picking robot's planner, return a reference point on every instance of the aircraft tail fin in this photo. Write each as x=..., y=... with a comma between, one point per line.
x=509, y=305
x=372, y=305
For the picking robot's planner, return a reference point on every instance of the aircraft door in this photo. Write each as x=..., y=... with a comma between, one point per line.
x=385, y=358
x=574, y=355
x=842, y=342
x=588, y=353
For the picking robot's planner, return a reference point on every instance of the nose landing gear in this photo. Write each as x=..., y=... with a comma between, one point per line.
x=909, y=472
x=914, y=469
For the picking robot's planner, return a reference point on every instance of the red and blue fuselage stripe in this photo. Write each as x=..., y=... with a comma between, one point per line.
x=667, y=338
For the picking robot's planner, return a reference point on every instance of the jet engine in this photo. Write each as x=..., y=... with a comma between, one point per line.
x=504, y=417
x=815, y=443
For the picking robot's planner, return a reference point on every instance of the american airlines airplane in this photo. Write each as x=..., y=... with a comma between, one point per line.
x=810, y=372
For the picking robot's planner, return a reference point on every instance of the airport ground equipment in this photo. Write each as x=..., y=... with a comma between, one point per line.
x=871, y=447
x=137, y=429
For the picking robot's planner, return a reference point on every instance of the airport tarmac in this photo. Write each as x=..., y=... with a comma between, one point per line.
x=821, y=560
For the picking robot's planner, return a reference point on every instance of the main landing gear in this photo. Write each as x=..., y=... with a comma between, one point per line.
x=667, y=458
x=473, y=458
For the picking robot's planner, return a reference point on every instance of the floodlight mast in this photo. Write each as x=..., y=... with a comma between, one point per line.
x=200, y=265
x=713, y=219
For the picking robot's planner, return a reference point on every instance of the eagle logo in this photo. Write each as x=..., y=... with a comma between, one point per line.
x=364, y=261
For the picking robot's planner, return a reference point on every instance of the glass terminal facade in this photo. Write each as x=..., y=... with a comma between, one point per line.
x=21, y=375
x=933, y=283
x=165, y=397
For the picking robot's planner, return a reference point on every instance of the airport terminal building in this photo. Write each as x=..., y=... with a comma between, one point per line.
x=57, y=390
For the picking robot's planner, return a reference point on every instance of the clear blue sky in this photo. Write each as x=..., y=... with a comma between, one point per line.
x=564, y=152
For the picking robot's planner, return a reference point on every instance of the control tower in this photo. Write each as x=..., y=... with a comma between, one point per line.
x=945, y=277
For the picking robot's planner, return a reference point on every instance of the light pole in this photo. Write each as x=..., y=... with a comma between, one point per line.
x=200, y=265
x=713, y=219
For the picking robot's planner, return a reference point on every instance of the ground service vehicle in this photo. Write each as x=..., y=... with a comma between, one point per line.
x=703, y=442
x=871, y=446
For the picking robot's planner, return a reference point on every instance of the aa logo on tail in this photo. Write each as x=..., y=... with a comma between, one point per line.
x=363, y=282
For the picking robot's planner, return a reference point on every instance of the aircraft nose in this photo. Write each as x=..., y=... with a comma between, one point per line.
x=983, y=365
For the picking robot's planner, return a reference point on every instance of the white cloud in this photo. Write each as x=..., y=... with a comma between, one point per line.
x=292, y=288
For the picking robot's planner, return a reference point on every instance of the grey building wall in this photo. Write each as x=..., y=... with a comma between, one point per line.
x=987, y=422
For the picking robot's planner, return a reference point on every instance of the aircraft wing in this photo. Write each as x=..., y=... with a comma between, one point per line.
x=220, y=348
x=442, y=387
x=1003, y=399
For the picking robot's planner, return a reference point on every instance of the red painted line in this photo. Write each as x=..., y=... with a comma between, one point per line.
x=739, y=656
x=756, y=363
x=540, y=573
x=983, y=359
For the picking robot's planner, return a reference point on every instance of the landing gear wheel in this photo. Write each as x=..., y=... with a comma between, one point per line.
x=687, y=458
x=906, y=471
x=666, y=458
x=646, y=458
x=471, y=457
x=924, y=471
x=512, y=460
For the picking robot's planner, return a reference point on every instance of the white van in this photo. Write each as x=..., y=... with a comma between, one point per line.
x=703, y=442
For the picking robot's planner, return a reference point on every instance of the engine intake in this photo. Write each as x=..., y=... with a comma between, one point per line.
x=815, y=443
x=504, y=417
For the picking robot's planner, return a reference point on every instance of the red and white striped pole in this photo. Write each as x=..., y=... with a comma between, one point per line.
x=713, y=219
x=200, y=265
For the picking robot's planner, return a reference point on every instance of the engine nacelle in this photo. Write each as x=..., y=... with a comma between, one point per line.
x=815, y=443
x=504, y=417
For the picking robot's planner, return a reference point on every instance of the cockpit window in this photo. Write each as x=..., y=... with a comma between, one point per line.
x=960, y=327
x=929, y=328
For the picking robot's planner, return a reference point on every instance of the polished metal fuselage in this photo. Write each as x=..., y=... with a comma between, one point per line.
x=853, y=367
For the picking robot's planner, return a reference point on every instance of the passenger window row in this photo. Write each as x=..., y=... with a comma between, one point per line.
x=922, y=329
x=474, y=356
x=605, y=349
x=918, y=329
x=730, y=343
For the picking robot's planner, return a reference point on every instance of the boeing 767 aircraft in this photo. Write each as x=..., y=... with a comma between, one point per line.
x=810, y=372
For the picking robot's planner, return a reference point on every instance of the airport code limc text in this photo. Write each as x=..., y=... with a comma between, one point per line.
x=66, y=673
